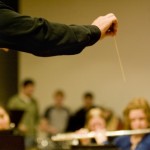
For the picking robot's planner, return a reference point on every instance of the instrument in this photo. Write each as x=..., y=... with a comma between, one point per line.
x=73, y=136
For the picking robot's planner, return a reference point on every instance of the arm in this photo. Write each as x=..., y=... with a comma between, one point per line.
x=46, y=127
x=43, y=38
x=12, y=104
x=45, y=124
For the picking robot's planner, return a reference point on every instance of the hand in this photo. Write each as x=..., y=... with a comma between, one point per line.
x=46, y=127
x=100, y=137
x=23, y=128
x=107, y=24
x=52, y=130
x=83, y=131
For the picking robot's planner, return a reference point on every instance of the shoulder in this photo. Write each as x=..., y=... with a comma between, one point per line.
x=145, y=143
x=48, y=109
x=122, y=142
x=14, y=98
x=13, y=102
x=47, y=112
x=120, y=139
x=146, y=139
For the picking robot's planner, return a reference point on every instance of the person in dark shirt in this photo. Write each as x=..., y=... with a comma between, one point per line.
x=43, y=38
x=77, y=120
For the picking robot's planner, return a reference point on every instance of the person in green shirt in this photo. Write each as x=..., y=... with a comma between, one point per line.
x=25, y=101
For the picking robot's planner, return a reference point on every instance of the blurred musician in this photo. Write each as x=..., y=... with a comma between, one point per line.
x=95, y=121
x=136, y=116
x=9, y=140
x=4, y=119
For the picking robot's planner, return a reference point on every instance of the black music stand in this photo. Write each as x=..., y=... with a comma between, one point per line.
x=11, y=142
x=15, y=116
x=94, y=147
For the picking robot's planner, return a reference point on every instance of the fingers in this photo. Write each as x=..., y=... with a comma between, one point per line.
x=113, y=26
x=83, y=131
x=107, y=24
x=112, y=31
x=100, y=137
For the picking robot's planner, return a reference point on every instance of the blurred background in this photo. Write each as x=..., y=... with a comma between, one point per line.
x=97, y=68
x=73, y=82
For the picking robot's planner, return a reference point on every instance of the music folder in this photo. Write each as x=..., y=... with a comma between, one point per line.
x=11, y=142
x=94, y=147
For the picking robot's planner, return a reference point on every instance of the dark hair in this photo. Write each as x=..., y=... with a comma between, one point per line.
x=59, y=93
x=88, y=95
x=27, y=82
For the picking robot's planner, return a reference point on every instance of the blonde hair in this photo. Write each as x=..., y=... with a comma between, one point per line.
x=94, y=112
x=136, y=103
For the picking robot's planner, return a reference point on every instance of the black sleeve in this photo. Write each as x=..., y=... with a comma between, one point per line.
x=47, y=112
x=41, y=37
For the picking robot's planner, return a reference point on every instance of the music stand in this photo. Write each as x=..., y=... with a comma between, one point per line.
x=16, y=116
x=9, y=141
x=94, y=147
x=12, y=142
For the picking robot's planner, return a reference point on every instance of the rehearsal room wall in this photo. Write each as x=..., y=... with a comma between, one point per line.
x=97, y=68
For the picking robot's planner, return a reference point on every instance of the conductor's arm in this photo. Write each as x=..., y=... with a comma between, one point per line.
x=43, y=38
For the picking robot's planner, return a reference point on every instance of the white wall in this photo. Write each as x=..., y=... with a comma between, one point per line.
x=97, y=68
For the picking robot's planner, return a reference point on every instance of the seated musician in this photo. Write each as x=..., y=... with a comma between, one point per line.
x=95, y=121
x=4, y=119
x=136, y=116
